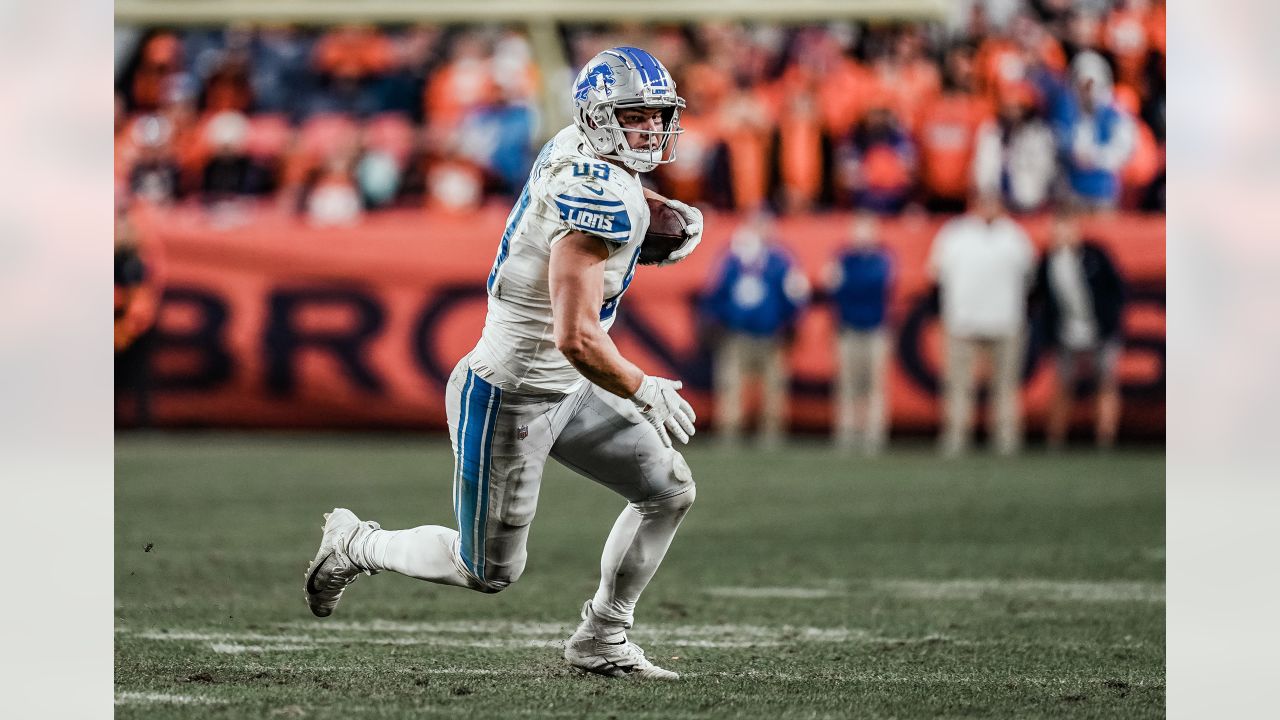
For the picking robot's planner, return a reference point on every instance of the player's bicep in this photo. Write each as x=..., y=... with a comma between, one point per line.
x=576, y=280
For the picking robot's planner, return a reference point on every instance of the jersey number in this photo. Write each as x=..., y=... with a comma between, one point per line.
x=595, y=170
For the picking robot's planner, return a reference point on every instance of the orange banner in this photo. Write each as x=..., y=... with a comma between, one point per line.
x=267, y=322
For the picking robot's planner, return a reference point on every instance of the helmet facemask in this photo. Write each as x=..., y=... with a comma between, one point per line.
x=642, y=159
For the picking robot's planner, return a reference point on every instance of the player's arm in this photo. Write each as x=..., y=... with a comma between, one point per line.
x=651, y=195
x=576, y=278
x=577, y=286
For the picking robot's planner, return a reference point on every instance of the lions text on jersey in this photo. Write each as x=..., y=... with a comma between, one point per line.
x=568, y=189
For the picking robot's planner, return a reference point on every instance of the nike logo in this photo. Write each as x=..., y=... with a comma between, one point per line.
x=592, y=188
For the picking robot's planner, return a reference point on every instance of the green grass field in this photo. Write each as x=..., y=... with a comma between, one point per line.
x=802, y=585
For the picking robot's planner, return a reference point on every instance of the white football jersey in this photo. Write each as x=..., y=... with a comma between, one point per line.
x=568, y=189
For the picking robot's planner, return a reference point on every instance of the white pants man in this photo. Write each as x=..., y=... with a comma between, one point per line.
x=861, y=419
x=741, y=356
x=1005, y=422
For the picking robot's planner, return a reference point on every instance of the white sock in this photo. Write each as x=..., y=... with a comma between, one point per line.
x=425, y=553
x=632, y=554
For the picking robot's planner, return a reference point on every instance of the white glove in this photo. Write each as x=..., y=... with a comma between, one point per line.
x=692, y=229
x=660, y=404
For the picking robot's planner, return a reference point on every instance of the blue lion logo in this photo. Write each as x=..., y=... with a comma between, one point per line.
x=599, y=78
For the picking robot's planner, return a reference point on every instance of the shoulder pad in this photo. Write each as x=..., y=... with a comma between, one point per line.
x=589, y=200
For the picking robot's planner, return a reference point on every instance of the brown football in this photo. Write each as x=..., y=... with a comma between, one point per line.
x=666, y=233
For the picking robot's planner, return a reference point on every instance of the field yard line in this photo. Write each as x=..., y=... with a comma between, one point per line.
x=769, y=593
x=964, y=589
x=932, y=678
x=155, y=698
x=1026, y=588
x=487, y=627
x=236, y=648
x=691, y=635
x=227, y=645
x=730, y=631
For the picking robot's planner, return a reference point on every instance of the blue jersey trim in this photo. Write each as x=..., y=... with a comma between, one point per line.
x=481, y=404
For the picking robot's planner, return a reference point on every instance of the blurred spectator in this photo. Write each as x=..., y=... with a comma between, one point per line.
x=1153, y=94
x=1096, y=136
x=982, y=263
x=1015, y=157
x=154, y=175
x=278, y=72
x=159, y=57
x=877, y=163
x=417, y=53
x=860, y=283
x=330, y=195
x=1124, y=36
x=377, y=176
x=948, y=133
x=741, y=166
x=1080, y=295
x=1053, y=13
x=905, y=77
x=230, y=172
x=499, y=136
x=179, y=108
x=1145, y=162
x=450, y=181
x=137, y=297
x=799, y=144
x=351, y=60
x=755, y=300
x=388, y=142
x=228, y=86
x=1024, y=54
x=1082, y=32
x=466, y=81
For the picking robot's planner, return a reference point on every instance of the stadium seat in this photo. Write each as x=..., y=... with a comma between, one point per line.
x=269, y=136
x=391, y=133
x=321, y=135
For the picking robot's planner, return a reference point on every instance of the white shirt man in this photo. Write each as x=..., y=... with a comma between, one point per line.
x=982, y=263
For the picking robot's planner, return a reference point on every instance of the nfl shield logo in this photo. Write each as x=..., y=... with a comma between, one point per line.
x=522, y=432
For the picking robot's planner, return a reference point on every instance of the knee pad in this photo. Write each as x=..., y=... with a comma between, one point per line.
x=491, y=587
x=496, y=579
x=676, y=504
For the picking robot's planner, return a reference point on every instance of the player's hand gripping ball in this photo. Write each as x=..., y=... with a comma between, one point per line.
x=667, y=232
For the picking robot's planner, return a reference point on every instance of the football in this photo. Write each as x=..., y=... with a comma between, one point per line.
x=666, y=233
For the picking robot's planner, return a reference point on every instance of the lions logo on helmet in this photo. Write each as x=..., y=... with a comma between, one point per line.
x=600, y=79
x=627, y=77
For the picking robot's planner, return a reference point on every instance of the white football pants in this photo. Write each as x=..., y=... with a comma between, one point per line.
x=501, y=441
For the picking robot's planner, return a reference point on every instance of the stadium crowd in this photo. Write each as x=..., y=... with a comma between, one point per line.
x=1044, y=100
x=1045, y=105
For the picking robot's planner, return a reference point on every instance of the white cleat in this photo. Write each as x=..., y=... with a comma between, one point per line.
x=621, y=659
x=332, y=569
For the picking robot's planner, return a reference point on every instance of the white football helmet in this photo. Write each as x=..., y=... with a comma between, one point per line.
x=619, y=78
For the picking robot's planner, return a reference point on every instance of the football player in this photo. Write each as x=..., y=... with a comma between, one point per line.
x=545, y=379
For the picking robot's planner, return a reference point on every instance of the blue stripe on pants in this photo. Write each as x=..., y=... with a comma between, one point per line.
x=479, y=414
